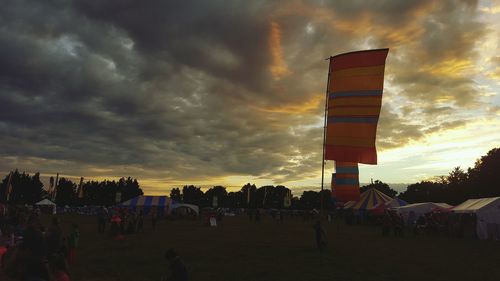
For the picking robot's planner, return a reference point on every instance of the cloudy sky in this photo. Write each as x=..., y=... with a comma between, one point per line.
x=229, y=92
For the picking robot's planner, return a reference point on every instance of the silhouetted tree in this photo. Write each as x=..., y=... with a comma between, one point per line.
x=380, y=186
x=192, y=195
x=296, y=204
x=131, y=189
x=236, y=200
x=175, y=194
x=26, y=189
x=310, y=200
x=424, y=191
x=252, y=189
x=485, y=175
x=66, y=192
x=218, y=191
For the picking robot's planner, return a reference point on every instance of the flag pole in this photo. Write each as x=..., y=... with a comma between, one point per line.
x=324, y=138
x=8, y=189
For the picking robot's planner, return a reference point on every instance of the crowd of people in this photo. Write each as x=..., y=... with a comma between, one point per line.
x=395, y=224
x=123, y=221
x=30, y=251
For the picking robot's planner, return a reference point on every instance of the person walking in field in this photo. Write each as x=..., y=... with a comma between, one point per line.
x=178, y=271
x=73, y=239
x=101, y=220
x=54, y=237
x=320, y=236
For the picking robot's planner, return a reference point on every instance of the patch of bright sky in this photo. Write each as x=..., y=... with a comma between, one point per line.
x=436, y=155
x=488, y=48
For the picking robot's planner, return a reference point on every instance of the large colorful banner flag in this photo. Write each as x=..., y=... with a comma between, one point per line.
x=345, y=182
x=355, y=87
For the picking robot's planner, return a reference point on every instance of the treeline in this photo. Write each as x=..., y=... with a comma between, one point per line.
x=482, y=180
x=249, y=196
x=26, y=189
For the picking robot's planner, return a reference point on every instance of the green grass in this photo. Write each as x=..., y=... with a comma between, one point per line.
x=242, y=250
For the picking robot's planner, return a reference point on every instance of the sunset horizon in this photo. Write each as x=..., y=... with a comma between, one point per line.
x=167, y=99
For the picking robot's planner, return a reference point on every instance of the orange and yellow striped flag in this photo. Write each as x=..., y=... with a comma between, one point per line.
x=355, y=86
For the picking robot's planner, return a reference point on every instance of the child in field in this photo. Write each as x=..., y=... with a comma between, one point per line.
x=73, y=238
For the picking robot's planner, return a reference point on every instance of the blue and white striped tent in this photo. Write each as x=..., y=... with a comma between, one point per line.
x=396, y=202
x=146, y=202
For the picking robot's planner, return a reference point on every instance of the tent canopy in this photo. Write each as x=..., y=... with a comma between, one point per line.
x=368, y=200
x=190, y=206
x=423, y=208
x=160, y=202
x=45, y=202
x=487, y=211
x=148, y=201
x=381, y=207
x=396, y=202
x=475, y=205
x=412, y=212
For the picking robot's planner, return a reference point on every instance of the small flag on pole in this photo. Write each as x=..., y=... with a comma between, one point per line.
x=80, y=188
x=9, y=186
x=288, y=199
x=56, y=183
x=51, y=185
x=118, y=197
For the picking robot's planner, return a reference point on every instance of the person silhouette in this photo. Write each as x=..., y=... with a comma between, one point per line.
x=320, y=235
x=178, y=271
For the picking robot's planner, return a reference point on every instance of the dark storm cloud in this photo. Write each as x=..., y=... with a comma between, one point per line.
x=197, y=90
x=206, y=35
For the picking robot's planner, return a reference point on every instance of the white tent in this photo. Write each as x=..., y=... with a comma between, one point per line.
x=487, y=211
x=189, y=206
x=412, y=212
x=47, y=202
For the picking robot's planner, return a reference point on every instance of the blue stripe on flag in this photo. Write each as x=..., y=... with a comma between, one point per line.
x=346, y=181
x=336, y=119
x=371, y=93
x=347, y=170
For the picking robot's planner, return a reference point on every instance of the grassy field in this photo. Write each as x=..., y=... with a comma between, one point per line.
x=242, y=250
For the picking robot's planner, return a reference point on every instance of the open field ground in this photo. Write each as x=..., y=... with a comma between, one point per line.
x=242, y=250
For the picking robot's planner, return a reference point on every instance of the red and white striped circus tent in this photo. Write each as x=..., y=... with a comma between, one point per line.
x=368, y=200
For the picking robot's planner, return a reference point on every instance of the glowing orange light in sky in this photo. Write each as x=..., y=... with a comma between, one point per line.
x=279, y=68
